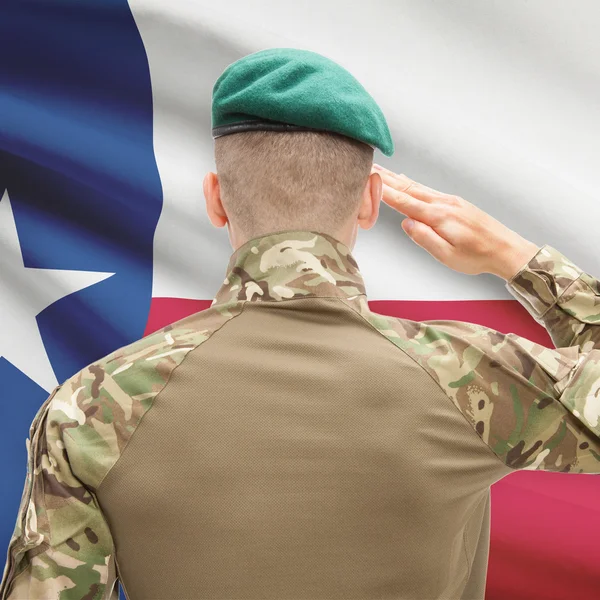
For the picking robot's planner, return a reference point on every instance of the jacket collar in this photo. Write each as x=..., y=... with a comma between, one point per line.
x=291, y=264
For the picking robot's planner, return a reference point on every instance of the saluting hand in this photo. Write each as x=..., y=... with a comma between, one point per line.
x=454, y=231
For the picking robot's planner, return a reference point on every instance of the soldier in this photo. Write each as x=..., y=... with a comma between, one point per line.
x=288, y=442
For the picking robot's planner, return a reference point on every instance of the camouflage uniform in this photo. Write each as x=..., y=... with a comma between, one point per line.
x=507, y=404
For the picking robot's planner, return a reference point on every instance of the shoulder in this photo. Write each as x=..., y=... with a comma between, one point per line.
x=452, y=349
x=97, y=410
x=498, y=381
x=423, y=338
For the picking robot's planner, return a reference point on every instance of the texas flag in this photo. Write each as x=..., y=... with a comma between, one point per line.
x=105, y=136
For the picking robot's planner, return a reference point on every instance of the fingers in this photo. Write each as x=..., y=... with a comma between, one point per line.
x=429, y=240
x=428, y=209
x=397, y=180
x=408, y=205
x=402, y=183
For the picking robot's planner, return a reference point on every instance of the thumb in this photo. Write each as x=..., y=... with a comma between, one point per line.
x=423, y=235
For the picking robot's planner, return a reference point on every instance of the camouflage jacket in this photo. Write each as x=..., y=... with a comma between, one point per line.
x=535, y=408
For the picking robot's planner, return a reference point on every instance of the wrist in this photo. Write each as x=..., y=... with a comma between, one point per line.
x=514, y=259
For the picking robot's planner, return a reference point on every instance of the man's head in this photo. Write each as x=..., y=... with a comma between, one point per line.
x=294, y=139
x=270, y=181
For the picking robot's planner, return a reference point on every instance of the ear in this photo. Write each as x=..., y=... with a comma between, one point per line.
x=369, y=208
x=212, y=195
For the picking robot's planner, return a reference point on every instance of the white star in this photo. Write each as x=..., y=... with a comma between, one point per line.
x=24, y=293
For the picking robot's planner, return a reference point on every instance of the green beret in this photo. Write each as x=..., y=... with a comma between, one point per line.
x=286, y=89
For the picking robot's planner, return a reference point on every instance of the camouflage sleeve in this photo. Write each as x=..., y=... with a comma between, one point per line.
x=535, y=407
x=560, y=297
x=61, y=546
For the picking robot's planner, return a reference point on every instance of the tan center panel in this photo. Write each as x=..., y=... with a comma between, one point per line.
x=299, y=454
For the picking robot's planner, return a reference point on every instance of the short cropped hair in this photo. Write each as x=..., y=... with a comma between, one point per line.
x=273, y=181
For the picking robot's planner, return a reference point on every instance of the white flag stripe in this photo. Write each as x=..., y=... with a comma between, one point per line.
x=493, y=101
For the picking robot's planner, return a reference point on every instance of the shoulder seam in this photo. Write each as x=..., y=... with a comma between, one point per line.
x=432, y=378
x=161, y=391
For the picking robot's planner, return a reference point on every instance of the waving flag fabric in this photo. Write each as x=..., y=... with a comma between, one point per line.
x=105, y=139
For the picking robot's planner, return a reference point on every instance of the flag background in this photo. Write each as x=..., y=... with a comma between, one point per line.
x=105, y=138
